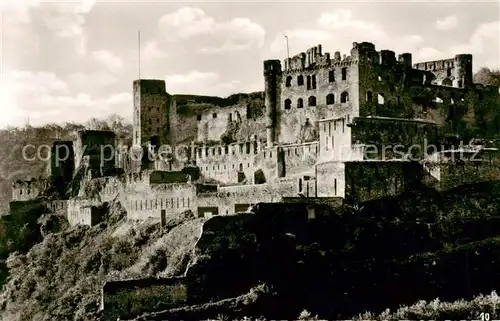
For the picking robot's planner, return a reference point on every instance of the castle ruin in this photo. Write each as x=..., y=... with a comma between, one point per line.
x=320, y=130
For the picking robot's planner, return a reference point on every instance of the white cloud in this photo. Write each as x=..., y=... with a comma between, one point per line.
x=342, y=19
x=340, y=29
x=203, y=83
x=45, y=98
x=90, y=80
x=193, y=23
x=194, y=76
x=428, y=54
x=108, y=59
x=30, y=25
x=188, y=22
x=153, y=51
x=298, y=40
x=484, y=44
x=410, y=41
x=481, y=38
x=121, y=98
x=67, y=19
x=228, y=86
x=224, y=48
x=447, y=23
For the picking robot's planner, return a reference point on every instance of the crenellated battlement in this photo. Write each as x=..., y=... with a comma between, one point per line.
x=455, y=72
x=28, y=190
x=154, y=177
x=305, y=136
x=220, y=150
x=314, y=59
x=435, y=65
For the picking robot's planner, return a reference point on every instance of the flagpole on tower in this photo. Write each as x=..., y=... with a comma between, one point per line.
x=139, y=51
x=287, y=50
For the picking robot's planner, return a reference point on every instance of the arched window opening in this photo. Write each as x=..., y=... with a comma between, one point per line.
x=288, y=104
x=344, y=73
x=289, y=81
x=300, y=103
x=308, y=82
x=313, y=81
x=344, y=97
x=330, y=99
x=312, y=101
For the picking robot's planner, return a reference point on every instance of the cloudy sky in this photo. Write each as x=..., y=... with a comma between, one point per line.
x=69, y=61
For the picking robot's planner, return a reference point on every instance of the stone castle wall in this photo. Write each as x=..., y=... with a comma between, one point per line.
x=147, y=203
x=386, y=138
x=365, y=180
x=455, y=168
x=232, y=199
x=223, y=162
x=334, y=139
x=84, y=212
x=299, y=158
x=27, y=190
x=312, y=88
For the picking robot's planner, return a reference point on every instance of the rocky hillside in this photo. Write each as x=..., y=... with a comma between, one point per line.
x=354, y=259
x=61, y=277
x=13, y=166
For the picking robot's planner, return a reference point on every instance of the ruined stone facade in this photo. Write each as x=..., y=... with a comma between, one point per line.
x=27, y=190
x=326, y=127
x=94, y=149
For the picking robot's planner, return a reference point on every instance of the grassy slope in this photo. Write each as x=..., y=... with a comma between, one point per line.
x=61, y=277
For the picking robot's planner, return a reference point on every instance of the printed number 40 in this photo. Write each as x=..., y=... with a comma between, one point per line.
x=484, y=316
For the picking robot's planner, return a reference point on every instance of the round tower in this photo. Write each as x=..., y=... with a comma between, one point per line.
x=272, y=71
x=463, y=71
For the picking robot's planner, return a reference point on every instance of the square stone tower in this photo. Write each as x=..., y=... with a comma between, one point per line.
x=151, y=112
